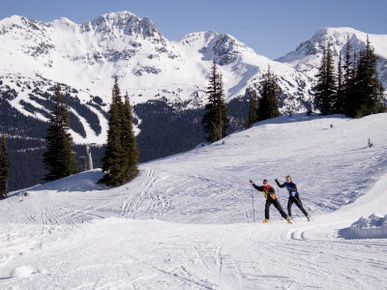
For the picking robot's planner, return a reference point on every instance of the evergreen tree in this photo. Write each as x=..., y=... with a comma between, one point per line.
x=59, y=157
x=215, y=120
x=340, y=106
x=365, y=89
x=4, y=167
x=268, y=104
x=129, y=141
x=348, y=63
x=253, y=111
x=325, y=88
x=112, y=162
x=348, y=78
x=121, y=155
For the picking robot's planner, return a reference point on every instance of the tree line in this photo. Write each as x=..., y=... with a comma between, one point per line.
x=120, y=159
x=4, y=167
x=354, y=90
x=215, y=120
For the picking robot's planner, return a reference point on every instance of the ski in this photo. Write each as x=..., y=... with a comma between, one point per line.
x=268, y=222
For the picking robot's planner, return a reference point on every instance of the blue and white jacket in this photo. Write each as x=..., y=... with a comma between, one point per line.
x=290, y=186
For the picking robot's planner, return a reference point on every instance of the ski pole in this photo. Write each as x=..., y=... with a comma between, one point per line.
x=252, y=203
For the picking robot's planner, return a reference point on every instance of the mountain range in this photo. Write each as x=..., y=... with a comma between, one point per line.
x=165, y=80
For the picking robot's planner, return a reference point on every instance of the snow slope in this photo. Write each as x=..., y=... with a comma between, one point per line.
x=186, y=221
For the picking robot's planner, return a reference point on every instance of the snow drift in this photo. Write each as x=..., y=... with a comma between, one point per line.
x=372, y=227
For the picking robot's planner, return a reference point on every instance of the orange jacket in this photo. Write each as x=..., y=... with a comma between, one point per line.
x=267, y=190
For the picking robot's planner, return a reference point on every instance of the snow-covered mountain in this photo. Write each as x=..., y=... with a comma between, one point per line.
x=166, y=80
x=307, y=57
x=187, y=222
x=85, y=58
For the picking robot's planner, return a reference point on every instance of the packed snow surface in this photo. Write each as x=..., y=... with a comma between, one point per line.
x=186, y=222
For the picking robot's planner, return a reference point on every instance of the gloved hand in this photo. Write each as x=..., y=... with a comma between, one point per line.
x=276, y=181
x=251, y=181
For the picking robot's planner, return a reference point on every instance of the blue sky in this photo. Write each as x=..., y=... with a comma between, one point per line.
x=270, y=27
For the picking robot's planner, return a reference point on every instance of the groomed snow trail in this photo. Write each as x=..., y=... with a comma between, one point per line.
x=186, y=221
x=122, y=253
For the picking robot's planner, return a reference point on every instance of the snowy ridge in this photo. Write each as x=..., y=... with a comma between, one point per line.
x=307, y=56
x=85, y=58
x=186, y=221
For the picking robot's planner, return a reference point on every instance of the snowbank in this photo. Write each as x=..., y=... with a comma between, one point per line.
x=373, y=227
x=81, y=182
x=23, y=271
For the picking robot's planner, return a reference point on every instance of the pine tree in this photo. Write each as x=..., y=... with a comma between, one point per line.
x=365, y=90
x=4, y=167
x=325, y=88
x=348, y=79
x=59, y=157
x=215, y=120
x=121, y=155
x=112, y=162
x=253, y=111
x=129, y=141
x=340, y=105
x=268, y=104
x=348, y=64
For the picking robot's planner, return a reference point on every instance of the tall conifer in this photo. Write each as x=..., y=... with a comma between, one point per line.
x=215, y=120
x=325, y=89
x=340, y=105
x=129, y=141
x=365, y=89
x=112, y=162
x=59, y=157
x=4, y=167
x=121, y=155
x=348, y=78
x=253, y=110
x=348, y=64
x=268, y=104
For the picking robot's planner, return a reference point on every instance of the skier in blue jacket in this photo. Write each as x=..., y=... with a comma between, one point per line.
x=294, y=196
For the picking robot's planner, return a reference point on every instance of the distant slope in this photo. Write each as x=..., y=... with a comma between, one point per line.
x=328, y=158
x=186, y=221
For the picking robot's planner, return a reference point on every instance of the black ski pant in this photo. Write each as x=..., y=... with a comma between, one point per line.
x=277, y=205
x=297, y=201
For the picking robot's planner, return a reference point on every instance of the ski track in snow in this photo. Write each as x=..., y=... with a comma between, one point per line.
x=186, y=221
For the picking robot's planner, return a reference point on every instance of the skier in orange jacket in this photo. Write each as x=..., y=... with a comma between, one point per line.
x=271, y=198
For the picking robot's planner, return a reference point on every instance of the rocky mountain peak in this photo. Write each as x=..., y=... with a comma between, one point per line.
x=123, y=22
x=227, y=49
x=224, y=48
x=337, y=37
